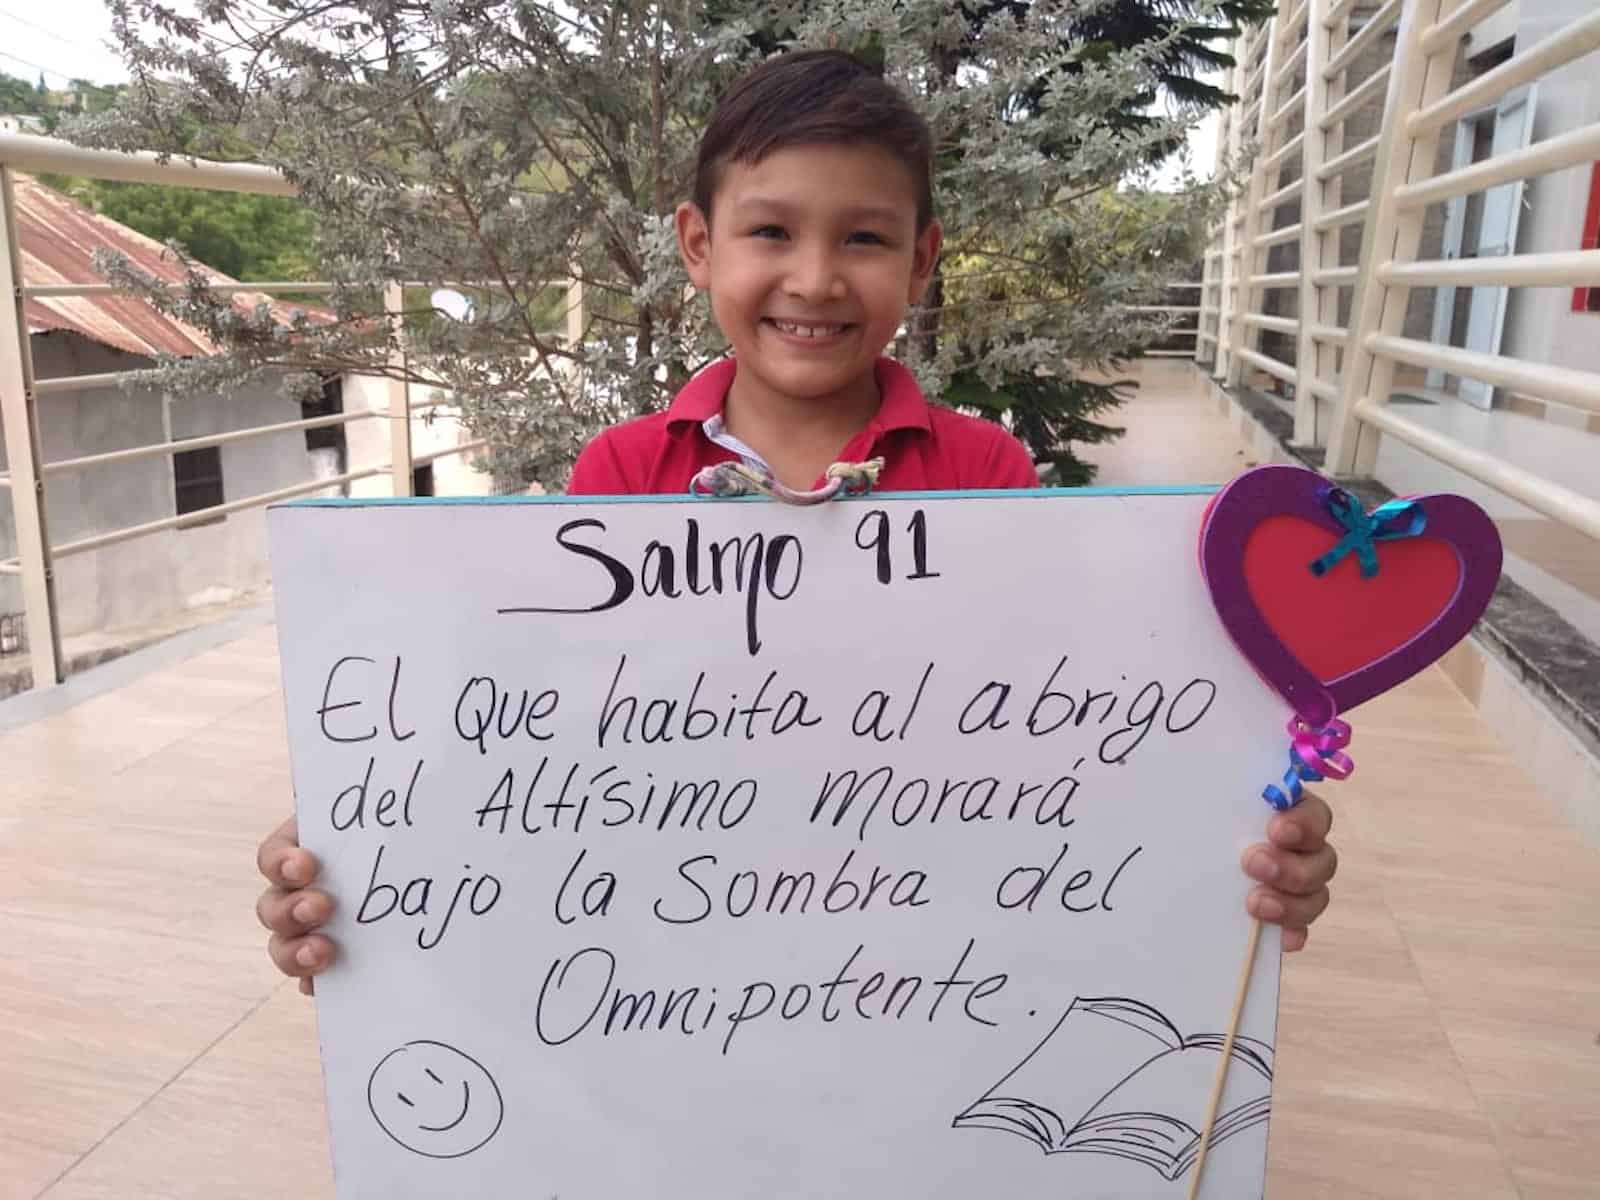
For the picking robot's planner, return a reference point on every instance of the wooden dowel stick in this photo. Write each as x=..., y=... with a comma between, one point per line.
x=1227, y=1055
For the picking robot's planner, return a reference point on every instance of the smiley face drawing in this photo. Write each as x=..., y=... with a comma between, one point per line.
x=434, y=1100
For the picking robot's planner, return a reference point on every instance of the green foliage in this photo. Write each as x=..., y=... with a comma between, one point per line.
x=515, y=143
x=247, y=237
x=1190, y=41
x=1049, y=413
x=19, y=96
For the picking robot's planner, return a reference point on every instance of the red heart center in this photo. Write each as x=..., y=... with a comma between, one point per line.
x=1340, y=622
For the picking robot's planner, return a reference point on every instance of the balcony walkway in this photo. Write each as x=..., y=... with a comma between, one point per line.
x=1439, y=1038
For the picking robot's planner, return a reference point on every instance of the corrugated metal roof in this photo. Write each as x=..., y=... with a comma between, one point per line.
x=59, y=237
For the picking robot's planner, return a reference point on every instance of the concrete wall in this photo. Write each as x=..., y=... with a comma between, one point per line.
x=1496, y=28
x=154, y=578
x=158, y=576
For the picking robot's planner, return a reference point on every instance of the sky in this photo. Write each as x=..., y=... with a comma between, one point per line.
x=65, y=39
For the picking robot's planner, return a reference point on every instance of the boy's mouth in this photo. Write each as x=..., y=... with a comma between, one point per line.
x=808, y=329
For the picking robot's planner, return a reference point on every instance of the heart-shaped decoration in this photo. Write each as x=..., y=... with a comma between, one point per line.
x=1333, y=605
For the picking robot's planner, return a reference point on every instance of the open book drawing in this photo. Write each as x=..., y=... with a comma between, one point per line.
x=1114, y=1076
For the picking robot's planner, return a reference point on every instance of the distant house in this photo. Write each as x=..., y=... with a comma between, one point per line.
x=216, y=559
x=21, y=123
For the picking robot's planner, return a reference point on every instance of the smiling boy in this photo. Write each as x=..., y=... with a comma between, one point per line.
x=812, y=230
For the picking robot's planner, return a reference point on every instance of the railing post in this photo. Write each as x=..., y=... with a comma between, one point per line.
x=24, y=455
x=1418, y=80
x=1251, y=298
x=1227, y=309
x=1318, y=306
x=399, y=391
x=1211, y=300
x=575, y=313
x=1207, y=282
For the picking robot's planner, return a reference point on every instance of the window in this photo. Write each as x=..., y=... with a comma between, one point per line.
x=197, y=475
x=328, y=437
x=1587, y=299
x=422, y=480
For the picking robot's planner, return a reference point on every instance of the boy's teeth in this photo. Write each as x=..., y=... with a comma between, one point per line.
x=812, y=331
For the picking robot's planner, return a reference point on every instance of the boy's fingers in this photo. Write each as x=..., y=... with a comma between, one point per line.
x=294, y=913
x=1280, y=908
x=273, y=847
x=300, y=956
x=1303, y=827
x=1293, y=940
x=1299, y=874
x=281, y=859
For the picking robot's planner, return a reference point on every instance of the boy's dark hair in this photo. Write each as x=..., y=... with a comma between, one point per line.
x=813, y=96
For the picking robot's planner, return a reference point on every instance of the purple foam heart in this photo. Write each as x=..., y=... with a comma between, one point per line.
x=1238, y=512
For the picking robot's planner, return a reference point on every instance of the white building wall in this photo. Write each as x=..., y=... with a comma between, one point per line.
x=455, y=475
x=1540, y=323
x=1496, y=28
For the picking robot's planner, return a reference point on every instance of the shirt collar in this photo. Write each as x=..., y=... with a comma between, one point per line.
x=901, y=402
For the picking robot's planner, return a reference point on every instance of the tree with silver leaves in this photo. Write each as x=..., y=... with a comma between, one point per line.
x=503, y=147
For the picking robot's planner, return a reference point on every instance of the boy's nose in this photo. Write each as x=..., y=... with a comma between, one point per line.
x=815, y=277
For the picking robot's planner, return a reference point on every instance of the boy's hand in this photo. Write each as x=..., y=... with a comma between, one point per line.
x=291, y=909
x=1293, y=866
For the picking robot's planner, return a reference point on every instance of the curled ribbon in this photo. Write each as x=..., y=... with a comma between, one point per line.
x=741, y=479
x=1315, y=753
x=1388, y=522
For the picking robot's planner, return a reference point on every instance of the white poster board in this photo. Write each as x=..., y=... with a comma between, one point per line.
x=706, y=850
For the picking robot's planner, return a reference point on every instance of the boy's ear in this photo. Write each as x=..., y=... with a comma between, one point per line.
x=694, y=243
x=925, y=257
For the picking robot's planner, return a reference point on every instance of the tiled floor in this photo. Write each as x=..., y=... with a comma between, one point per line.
x=1440, y=1038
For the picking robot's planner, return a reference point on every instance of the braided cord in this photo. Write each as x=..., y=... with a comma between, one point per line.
x=741, y=479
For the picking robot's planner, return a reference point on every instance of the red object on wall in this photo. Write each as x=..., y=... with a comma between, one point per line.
x=1587, y=299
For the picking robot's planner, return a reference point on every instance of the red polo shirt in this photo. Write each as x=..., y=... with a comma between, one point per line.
x=924, y=447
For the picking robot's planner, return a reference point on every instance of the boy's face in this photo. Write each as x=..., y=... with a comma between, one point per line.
x=811, y=257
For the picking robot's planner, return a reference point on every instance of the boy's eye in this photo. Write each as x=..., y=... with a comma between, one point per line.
x=867, y=237
x=768, y=231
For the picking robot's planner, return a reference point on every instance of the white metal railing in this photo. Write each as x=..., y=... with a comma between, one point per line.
x=1177, y=310
x=1421, y=103
x=20, y=392
x=1353, y=109
x=1333, y=78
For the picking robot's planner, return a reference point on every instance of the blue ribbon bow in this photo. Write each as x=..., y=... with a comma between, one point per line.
x=1363, y=530
x=1299, y=773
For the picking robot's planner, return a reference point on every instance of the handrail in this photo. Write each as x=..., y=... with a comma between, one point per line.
x=20, y=392
x=1404, y=184
x=1580, y=38
x=1357, y=97
x=1377, y=25
x=1572, y=268
x=1353, y=369
x=1541, y=158
x=32, y=153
